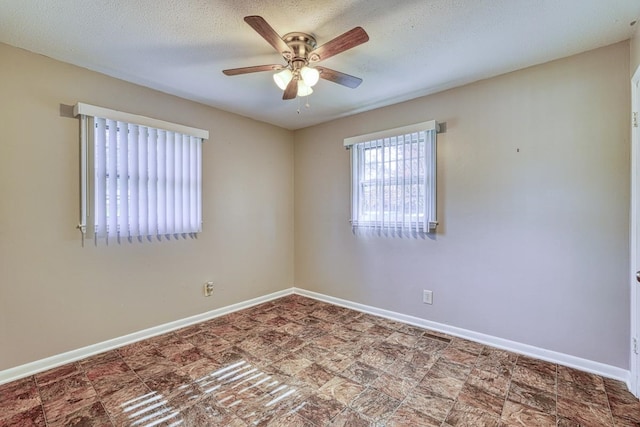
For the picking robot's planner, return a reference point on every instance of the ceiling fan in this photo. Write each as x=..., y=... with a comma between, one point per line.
x=299, y=50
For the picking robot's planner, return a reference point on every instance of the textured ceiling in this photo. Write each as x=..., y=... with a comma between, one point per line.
x=416, y=47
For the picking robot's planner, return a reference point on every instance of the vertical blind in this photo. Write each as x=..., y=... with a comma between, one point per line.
x=394, y=179
x=141, y=177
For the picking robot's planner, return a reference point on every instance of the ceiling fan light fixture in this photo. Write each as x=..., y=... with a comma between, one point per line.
x=309, y=75
x=283, y=78
x=304, y=89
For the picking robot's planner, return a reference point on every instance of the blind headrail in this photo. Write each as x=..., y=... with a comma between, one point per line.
x=91, y=110
x=417, y=127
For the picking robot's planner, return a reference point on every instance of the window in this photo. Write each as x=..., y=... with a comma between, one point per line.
x=393, y=179
x=140, y=177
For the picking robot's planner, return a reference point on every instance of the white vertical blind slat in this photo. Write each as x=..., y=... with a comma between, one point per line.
x=186, y=192
x=177, y=184
x=144, y=148
x=134, y=178
x=161, y=198
x=123, y=179
x=100, y=168
x=171, y=179
x=193, y=184
x=150, y=219
x=199, y=186
x=112, y=179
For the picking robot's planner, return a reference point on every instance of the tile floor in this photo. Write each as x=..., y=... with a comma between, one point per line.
x=300, y=362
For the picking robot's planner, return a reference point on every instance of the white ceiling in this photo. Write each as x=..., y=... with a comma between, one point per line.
x=416, y=47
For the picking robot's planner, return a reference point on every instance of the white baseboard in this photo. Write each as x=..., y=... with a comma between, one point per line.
x=71, y=356
x=525, y=349
x=598, y=368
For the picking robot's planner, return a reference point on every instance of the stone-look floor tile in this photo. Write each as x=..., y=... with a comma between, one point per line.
x=341, y=389
x=136, y=347
x=380, y=331
x=436, y=407
x=361, y=373
x=208, y=343
x=498, y=361
x=31, y=417
x=442, y=386
x=585, y=379
x=430, y=345
x=168, y=384
x=537, y=365
x=186, y=357
x=207, y=413
x=335, y=362
x=622, y=422
x=17, y=397
x=446, y=369
x=292, y=364
x=492, y=382
x=172, y=346
x=315, y=375
x=110, y=376
x=200, y=368
x=466, y=345
x=142, y=358
x=319, y=410
x=515, y=414
x=532, y=397
x=348, y=335
x=56, y=374
x=359, y=325
x=583, y=414
x=406, y=416
x=375, y=358
x=67, y=395
x=313, y=352
x=100, y=359
x=625, y=407
x=93, y=415
x=398, y=388
x=408, y=370
x=459, y=356
x=465, y=416
x=375, y=405
x=480, y=398
x=579, y=393
x=160, y=366
x=541, y=379
x=348, y=418
x=117, y=402
x=290, y=420
x=404, y=339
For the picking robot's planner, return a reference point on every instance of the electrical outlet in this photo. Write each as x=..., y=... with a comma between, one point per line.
x=208, y=289
x=427, y=297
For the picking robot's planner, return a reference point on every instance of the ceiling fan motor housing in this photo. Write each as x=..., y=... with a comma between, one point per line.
x=301, y=45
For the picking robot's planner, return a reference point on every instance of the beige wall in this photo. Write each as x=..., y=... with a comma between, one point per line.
x=532, y=246
x=55, y=295
x=635, y=51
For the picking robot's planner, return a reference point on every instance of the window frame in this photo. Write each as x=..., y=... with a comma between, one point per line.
x=424, y=177
x=89, y=116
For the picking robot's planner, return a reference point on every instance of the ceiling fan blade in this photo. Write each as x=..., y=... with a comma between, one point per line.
x=292, y=89
x=346, y=41
x=255, y=69
x=269, y=34
x=338, y=77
